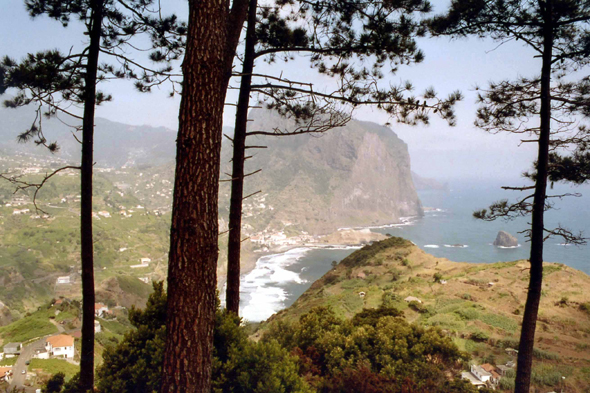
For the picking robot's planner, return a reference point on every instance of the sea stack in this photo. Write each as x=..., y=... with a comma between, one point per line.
x=504, y=239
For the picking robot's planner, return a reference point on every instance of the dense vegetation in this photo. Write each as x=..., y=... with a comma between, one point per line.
x=376, y=351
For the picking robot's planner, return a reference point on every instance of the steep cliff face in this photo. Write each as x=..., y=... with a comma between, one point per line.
x=358, y=175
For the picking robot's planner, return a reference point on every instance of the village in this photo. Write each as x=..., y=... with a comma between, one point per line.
x=17, y=357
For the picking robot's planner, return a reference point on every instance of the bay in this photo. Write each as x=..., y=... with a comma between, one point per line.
x=447, y=230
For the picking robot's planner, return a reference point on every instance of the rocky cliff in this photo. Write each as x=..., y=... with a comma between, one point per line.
x=357, y=175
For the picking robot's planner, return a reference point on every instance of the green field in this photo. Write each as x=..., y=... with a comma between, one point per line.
x=54, y=366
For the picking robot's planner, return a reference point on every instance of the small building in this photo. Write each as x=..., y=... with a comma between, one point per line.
x=6, y=374
x=480, y=373
x=12, y=350
x=64, y=280
x=145, y=279
x=472, y=379
x=100, y=309
x=104, y=214
x=511, y=351
x=97, y=327
x=412, y=299
x=61, y=345
x=495, y=377
x=145, y=261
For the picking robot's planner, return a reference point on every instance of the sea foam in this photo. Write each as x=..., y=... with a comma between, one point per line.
x=261, y=289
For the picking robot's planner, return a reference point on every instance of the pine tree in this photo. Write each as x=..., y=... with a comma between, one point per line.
x=355, y=58
x=550, y=107
x=213, y=34
x=53, y=81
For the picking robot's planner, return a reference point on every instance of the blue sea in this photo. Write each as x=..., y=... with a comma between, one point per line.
x=278, y=280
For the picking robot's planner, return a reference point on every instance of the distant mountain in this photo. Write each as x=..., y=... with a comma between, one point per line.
x=424, y=183
x=358, y=175
x=116, y=144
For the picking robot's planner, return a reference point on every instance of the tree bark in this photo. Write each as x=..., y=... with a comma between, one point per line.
x=529, y=321
x=192, y=270
x=237, y=185
x=87, y=251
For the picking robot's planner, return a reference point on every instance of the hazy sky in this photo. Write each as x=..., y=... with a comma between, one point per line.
x=437, y=150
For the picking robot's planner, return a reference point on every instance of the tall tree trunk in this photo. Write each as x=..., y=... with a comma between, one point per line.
x=87, y=251
x=237, y=185
x=529, y=321
x=192, y=274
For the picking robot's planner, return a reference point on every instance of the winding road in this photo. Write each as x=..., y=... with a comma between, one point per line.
x=26, y=354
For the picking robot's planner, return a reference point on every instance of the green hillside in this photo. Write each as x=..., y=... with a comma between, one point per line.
x=478, y=305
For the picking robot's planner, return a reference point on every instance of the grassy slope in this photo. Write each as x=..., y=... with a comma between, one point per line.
x=467, y=306
x=54, y=366
x=35, y=325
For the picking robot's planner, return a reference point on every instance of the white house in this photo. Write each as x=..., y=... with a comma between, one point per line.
x=63, y=280
x=100, y=309
x=61, y=345
x=145, y=261
x=6, y=374
x=97, y=327
x=480, y=373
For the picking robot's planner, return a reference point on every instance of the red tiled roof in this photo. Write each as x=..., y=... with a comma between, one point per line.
x=61, y=340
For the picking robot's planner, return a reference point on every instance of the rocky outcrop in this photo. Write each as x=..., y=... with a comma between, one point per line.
x=504, y=239
x=357, y=175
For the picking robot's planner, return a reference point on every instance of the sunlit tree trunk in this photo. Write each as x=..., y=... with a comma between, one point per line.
x=193, y=255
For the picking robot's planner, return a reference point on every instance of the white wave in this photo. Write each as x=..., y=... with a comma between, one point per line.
x=261, y=288
x=518, y=245
x=456, y=245
x=437, y=210
x=431, y=246
x=264, y=302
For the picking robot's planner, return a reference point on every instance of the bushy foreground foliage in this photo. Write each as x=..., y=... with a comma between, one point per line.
x=239, y=365
x=375, y=351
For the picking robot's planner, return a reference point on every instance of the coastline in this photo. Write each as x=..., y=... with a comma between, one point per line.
x=358, y=238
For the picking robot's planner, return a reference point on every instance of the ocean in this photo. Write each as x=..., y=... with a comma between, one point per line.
x=279, y=279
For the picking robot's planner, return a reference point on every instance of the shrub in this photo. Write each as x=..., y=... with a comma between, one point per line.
x=417, y=306
x=389, y=299
x=507, y=384
x=479, y=336
x=437, y=277
x=540, y=354
x=467, y=314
